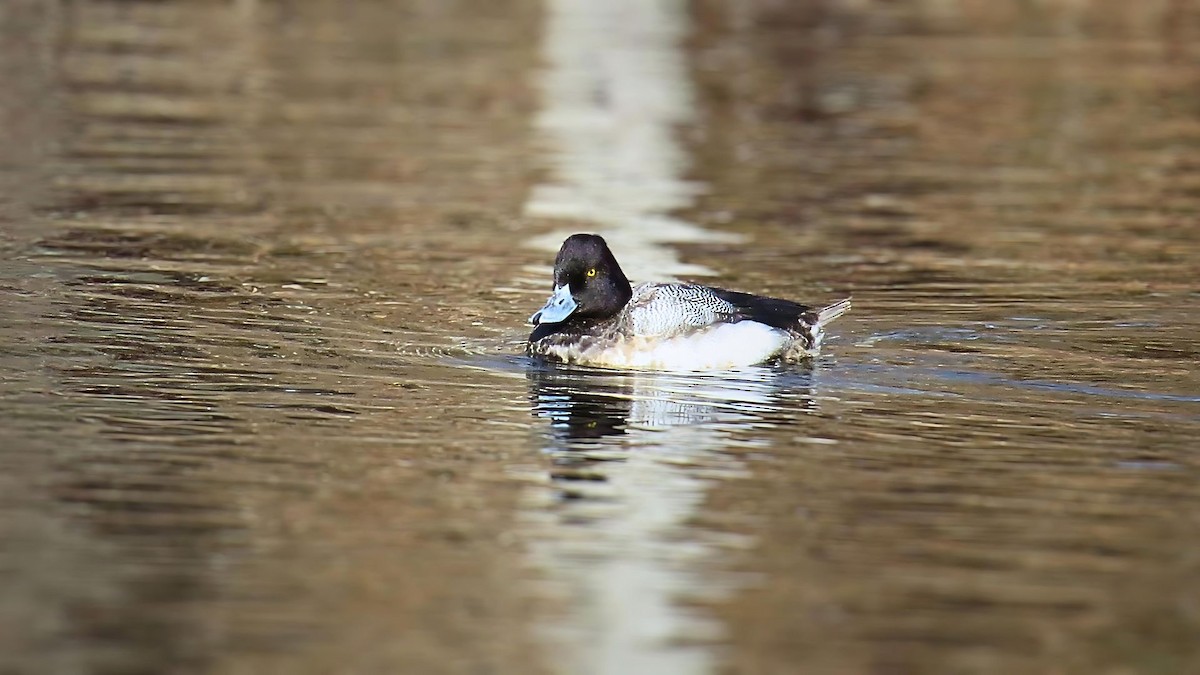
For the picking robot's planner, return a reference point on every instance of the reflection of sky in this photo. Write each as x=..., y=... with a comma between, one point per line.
x=615, y=92
x=632, y=458
x=631, y=452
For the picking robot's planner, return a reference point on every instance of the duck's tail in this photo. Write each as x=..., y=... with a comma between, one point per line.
x=811, y=330
x=827, y=314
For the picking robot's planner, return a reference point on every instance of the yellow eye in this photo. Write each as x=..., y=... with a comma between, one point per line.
x=591, y=272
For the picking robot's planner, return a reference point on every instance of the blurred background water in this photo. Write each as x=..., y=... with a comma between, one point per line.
x=265, y=268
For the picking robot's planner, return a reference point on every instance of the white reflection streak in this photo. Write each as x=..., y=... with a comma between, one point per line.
x=620, y=555
x=615, y=91
x=614, y=94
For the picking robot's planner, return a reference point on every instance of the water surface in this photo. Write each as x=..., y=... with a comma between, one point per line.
x=265, y=276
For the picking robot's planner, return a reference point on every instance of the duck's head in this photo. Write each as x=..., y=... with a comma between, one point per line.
x=588, y=282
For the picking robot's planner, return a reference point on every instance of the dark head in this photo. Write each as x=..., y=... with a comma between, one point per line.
x=588, y=282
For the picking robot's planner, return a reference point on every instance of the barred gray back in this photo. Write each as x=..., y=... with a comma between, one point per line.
x=658, y=309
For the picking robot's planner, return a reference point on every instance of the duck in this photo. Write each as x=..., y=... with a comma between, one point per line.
x=595, y=317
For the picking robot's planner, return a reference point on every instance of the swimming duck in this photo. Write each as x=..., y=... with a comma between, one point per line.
x=595, y=317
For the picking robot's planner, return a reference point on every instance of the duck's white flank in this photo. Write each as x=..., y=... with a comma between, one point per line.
x=719, y=347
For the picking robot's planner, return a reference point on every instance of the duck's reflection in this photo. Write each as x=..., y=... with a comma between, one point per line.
x=579, y=405
x=633, y=456
x=586, y=405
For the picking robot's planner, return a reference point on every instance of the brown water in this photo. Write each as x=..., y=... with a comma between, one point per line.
x=265, y=273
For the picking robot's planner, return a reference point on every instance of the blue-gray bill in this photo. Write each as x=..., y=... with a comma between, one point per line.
x=558, y=307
